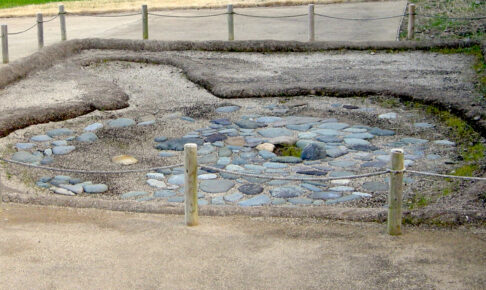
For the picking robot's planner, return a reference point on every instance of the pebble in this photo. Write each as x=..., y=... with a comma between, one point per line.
x=257, y=200
x=286, y=191
x=95, y=188
x=24, y=146
x=154, y=175
x=390, y=116
x=266, y=146
x=60, y=132
x=93, y=127
x=40, y=138
x=62, y=150
x=216, y=186
x=87, y=137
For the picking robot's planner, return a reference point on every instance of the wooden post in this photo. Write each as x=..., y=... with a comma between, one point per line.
x=231, y=25
x=394, y=226
x=5, y=43
x=40, y=30
x=311, y=23
x=411, y=21
x=145, y=21
x=190, y=186
x=62, y=20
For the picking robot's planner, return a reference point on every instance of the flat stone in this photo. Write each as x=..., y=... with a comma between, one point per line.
x=216, y=137
x=251, y=189
x=40, y=138
x=207, y=176
x=313, y=152
x=160, y=139
x=121, y=123
x=59, y=132
x=248, y=124
x=257, y=200
x=279, y=201
x=274, y=132
x=361, y=136
x=164, y=193
x=47, y=160
x=202, y=202
x=381, y=132
x=302, y=127
x=167, y=154
x=155, y=175
x=224, y=161
x=156, y=183
x=307, y=135
x=188, y=119
x=268, y=119
x=286, y=191
x=87, y=137
x=363, y=147
x=225, y=152
x=327, y=132
x=236, y=141
x=414, y=141
x=95, y=188
x=218, y=200
x=390, y=116
x=42, y=184
x=355, y=141
x=423, y=125
x=77, y=188
x=343, y=199
x=59, y=143
x=132, y=194
x=234, y=197
x=123, y=159
x=329, y=139
x=253, y=141
x=146, y=123
x=362, y=194
x=311, y=187
x=274, y=165
x=286, y=159
x=334, y=126
x=341, y=188
x=216, y=186
x=205, y=149
x=93, y=127
x=444, y=143
x=227, y=109
x=62, y=150
x=300, y=200
x=375, y=186
x=355, y=130
x=377, y=164
x=278, y=182
x=177, y=179
x=62, y=191
x=176, y=199
x=336, y=152
x=25, y=146
x=343, y=163
x=267, y=154
x=178, y=143
x=325, y=195
x=314, y=172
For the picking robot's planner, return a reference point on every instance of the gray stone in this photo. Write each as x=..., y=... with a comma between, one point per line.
x=95, y=188
x=381, y=132
x=205, y=149
x=216, y=186
x=325, y=195
x=153, y=175
x=343, y=163
x=93, y=127
x=146, y=123
x=377, y=164
x=167, y=154
x=202, y=202
x=177, y=199
x=330, y=139
x=24, y=146
x=218, y=200
x=178, y=143
x=286, y=159
x=224, y=161
x=62, y=191
x=343, y=199
x=355, y=130
x=313, y=152
x=87, y=137
x=336, y=152
x=59, y=143
x=444, y=142
x=222, y=121
x=132, y=194
x=327, y=132
x=164, y=193
x=286, y=191
x=300, y=200
x=227, y=109
x=60, y=132
x=274, y=132
x=62, y=150
x=42, y=184
x=355, y=141
x=433, y=156
x=423, y=125
x=48, y=152
x=121, y=123
x=77, y=188
x=414, y=141
x=216, y=137
x=210, y=158
x=160, y=139
x=224, y=152
x=176, y=179
x=40, y=138
x=268, y=119
x=156, y=183
x=26, y=157
x=267, y=154
x=207, y=176
x=360, y=136
x=302, y=127
x=279, y=201
x=251, y=189
x=311, y=187
x=188, y=119
x=47, y=160
x=233, y=197
x=229, y=132
x=248, y=124
x=274, y=165
x=278, y=182
x=257, y=200
x=334, y=126
x=341, y=188
x=390, y=116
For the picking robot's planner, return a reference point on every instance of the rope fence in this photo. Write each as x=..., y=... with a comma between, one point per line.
x=191, y=166
x=230, y=20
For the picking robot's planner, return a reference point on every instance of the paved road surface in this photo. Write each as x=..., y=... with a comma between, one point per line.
x=215, y=28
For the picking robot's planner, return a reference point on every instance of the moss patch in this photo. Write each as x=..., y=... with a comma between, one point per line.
x=287, y=150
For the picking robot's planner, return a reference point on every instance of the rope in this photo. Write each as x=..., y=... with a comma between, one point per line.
x=45, y=21
x=261, y=16
x=23, y=31
x=69, y=170
x=445, y=175
x=359, y=19
x=187, y=16
x=293, y=178
x=104, y=16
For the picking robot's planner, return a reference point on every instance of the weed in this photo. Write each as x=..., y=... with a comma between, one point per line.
x=288, y=150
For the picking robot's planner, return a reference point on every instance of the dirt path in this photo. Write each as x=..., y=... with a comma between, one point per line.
x=43, y=247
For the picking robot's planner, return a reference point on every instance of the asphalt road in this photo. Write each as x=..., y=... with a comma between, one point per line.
x=215, y=28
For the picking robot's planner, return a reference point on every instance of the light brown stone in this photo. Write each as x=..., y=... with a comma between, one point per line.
x=124, y=160
x=266, y=146
x=235, y=141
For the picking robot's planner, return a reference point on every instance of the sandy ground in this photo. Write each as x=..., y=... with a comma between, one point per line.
x=215, y=28
x=59, y=248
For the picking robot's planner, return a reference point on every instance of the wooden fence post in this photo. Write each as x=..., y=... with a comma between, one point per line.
x=62, y=20
x=5, y=43
x=411, y=21
x=145, y=21
x=231, y=25
x=190, y=186
x=394, y=225
x=311, y=23
x=40, y=30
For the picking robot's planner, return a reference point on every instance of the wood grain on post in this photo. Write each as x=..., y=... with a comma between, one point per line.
x=394, y=225
x=145, y=21
x=40, y=30
x=62, y=21
x=5, y=43
x=411, y=21
x=311, y=23
x=190, y=186
x=231, y=25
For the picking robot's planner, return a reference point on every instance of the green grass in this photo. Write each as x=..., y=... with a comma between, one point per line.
x=15, y=3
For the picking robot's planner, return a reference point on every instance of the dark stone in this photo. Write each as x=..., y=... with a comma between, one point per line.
x=359, y=147
x=248, y=124
x=216, y=137
x=329, y=139
x=178, y=144
x=250, y=189
x=312, y=172
x=350, y=107
x=313, y=152
x=223, y=121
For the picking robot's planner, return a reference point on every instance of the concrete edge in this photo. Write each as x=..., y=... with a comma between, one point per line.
x=425, y=216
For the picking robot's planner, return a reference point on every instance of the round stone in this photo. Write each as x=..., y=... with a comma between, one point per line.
x=251, y=189
x=216, y=186
x=123, y=159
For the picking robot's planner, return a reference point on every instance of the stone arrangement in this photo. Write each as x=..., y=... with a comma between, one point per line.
x=329, y=148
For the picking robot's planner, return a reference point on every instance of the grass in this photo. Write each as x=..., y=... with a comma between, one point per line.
x=15, y=8
x=440, y=26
